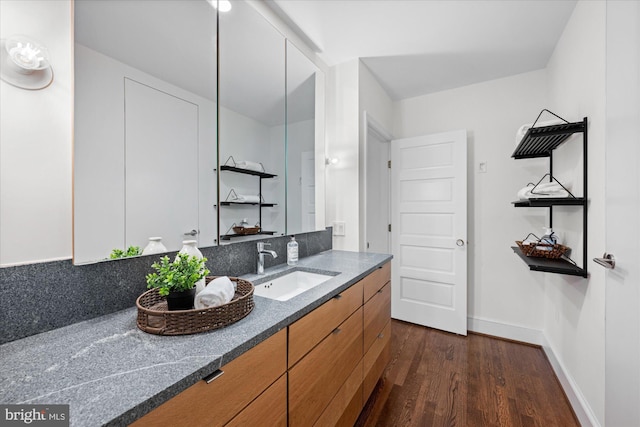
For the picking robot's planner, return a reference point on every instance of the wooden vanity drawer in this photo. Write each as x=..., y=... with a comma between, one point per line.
x=315, y=380
x=216, y=403
x=377, y=312
x=376, y=280
x=376, y=360
x=269, y=409
x=347, y=403
x=307, y=332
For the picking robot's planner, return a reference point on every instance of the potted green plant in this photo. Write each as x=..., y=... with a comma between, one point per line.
x=131, y=251
x=177, y=279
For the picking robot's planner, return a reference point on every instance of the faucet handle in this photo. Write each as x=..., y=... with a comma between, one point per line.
x=261, y=245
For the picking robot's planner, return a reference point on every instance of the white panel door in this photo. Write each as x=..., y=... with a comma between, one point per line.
x=429, y=230
x=622, y=309
x=161, y=134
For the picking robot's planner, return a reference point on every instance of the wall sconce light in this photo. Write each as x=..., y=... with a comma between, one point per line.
x=25, y=63
x=331, y=161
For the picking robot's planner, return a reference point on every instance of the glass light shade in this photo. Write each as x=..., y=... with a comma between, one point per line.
x=27, y=54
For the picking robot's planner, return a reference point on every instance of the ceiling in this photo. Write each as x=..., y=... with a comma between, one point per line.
x=415, y=47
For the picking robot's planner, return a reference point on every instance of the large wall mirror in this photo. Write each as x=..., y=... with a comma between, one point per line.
x=270, y=124
x=153, y=136
x=252, y=126
x=304, y=148
x=145, y=125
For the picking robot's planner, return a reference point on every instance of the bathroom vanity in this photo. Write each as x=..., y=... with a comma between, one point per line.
x=312, y=359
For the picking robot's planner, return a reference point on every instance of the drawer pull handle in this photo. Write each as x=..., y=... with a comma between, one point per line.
x=216, y=374
x=338, y=296
x=380, y=290
x=381, y=335
x=336, y=331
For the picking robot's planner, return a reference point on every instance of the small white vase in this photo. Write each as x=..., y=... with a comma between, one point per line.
x=189, y=247
x=154, y=246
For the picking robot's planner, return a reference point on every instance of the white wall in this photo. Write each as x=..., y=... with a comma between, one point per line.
x=35, y=142
x=342, y=186
x=99, y=156
x=501, y=288
x=574, y=307
x=352, y=91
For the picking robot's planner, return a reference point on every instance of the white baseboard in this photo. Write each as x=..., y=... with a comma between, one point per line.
x=503, y=330
x=580, y=406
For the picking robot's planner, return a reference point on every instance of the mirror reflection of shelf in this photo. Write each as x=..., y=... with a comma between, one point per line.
x=232, y=166
x=231, y=236
x=234, y=199
x=247, y=171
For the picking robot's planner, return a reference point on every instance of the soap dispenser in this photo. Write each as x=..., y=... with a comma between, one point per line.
x=292, y=251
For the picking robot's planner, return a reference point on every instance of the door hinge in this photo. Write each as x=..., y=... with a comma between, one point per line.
x=389, y=228
x=389, y=164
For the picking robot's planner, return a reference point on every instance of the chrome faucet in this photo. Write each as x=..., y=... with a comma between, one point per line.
x=261, y=252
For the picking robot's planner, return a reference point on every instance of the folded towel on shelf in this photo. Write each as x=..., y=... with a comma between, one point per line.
x=524, y=128
x=218, y=292
x=243, y=198
x=545, y=190
x=246, y=164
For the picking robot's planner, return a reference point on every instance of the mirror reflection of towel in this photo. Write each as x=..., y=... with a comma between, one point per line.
x=246, y=164
x=247, y=199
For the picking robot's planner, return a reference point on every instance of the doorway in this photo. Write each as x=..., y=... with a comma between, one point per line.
x=377, y=183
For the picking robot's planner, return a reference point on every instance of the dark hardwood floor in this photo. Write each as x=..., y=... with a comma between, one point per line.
x=439, y=379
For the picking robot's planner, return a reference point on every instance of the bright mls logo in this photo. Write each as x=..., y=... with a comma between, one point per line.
x=34, y=415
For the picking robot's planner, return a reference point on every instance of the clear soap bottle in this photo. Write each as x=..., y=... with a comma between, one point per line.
x=292, y=251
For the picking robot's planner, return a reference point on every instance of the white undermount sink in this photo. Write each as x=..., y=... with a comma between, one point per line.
x=285, y=287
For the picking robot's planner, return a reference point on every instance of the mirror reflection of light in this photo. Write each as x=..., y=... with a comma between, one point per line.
x=222, y=5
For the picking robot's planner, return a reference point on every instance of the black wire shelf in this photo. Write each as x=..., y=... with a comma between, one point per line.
x=558, y=266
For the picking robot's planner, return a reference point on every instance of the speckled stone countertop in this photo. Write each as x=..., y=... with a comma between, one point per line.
x=111, y=373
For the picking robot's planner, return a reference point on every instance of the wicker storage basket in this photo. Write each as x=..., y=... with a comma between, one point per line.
x=245, y=231
x=154, y=318
x=554, y=252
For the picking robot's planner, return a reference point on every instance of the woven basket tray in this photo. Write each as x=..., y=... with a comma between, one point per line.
x=245, y=231
x=554, y=252
x=154, y=317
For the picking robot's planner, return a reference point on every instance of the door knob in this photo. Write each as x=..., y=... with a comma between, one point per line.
x=191, y=233
x=460, y=242
x=607, y=261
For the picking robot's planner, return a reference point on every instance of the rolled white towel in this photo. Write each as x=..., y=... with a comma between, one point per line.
x=246, y=198
x=548, y=195
x=522, y=194
x=524, y=128
x=218, y=292
x=543, y=190
x=247, y=164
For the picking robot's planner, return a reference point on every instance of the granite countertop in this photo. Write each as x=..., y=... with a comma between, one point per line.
x=111, y=373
